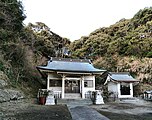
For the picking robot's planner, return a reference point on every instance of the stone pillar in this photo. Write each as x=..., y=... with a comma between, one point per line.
x=119, y=91
x=63, y=85
x=48, y=82
x=50, y=98
x=98, y=97
x=82, y=85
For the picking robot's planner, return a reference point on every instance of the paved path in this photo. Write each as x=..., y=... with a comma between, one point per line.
x=85, y=113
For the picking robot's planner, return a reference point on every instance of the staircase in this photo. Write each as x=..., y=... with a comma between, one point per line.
x=74, y=102
x=128, y=100
x=72, y=96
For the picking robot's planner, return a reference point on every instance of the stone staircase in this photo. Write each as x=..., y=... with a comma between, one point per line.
x=75, y=102
x=72, y=96
x=74, y=99
x=128, y=100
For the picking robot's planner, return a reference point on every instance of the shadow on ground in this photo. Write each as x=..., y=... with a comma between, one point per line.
x=25, y=111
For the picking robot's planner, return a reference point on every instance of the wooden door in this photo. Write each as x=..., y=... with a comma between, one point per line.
x=72, y=86
x=125, y=90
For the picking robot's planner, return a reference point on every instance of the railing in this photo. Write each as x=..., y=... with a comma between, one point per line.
x=44, y=93
x=89, y=94
x=57, y=94
x=92, y=94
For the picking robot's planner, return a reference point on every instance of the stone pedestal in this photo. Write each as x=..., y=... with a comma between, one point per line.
x=98, y=98
x=50, y=98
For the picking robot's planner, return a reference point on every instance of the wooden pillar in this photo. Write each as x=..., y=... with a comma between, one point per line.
x=63, y=85
x=131, y=89
x=93, y=78
x=48, y=81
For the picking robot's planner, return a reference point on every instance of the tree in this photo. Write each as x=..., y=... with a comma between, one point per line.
x=11, y=18
x=42, y=39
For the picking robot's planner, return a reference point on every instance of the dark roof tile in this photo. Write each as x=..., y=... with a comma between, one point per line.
x=71, y=65
x=121, y=76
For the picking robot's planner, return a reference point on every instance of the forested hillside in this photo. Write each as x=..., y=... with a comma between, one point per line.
x=22, y=48
x=124, y=38
x=124, y=46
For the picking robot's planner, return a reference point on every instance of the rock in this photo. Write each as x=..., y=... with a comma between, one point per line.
x=4, y=96
x=15, y=94
x=3, y=76
x=3, y=83
x=3, y=80
x=9, y=94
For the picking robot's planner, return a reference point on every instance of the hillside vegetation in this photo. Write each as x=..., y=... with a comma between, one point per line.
x=124, y=46
x=127, y=37
x=22, y=48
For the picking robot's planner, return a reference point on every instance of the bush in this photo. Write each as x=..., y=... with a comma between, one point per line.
x=149, y=54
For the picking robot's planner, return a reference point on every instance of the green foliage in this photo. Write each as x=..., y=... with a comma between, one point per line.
x=1, y=66
x=149, y=54
x=142, y=17
x=126, y=37
x=11, y=17
x=42, y=40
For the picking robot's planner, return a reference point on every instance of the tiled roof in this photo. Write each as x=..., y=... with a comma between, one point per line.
x=71, y=65
x=122, y=76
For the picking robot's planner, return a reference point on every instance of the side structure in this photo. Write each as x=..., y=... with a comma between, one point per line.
x=121, y=84
x=70, y=76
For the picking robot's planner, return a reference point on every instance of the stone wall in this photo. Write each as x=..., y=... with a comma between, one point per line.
x=6, y=93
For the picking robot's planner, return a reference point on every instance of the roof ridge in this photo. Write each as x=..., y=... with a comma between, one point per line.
x=69, y=60
x=119, y=73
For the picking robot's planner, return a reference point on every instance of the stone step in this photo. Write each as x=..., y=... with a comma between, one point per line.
x=72, y=95
x=132, y=98
x=79, y=102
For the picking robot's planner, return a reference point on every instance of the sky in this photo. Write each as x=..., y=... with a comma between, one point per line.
x=75, y=18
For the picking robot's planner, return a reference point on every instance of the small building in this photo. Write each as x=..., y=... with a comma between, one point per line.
x=121, y=84
x=148, y=95
x=70, y=76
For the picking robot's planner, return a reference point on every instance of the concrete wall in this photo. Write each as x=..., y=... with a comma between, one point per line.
x=112, y=87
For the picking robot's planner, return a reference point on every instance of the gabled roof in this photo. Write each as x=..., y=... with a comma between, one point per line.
x=70, y=65
x=122, y=77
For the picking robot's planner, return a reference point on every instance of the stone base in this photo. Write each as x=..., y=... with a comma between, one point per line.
x=50, y=101
x=99, y=100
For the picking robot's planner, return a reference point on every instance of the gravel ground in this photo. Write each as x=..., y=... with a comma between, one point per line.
x=127, y=110
x=29, y=110
x=24, y=110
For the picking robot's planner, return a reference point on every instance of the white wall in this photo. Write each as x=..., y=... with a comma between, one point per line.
x=86, y=89
x=52, y=76
x=55, y=88
x=112, y=87
x=115, y=87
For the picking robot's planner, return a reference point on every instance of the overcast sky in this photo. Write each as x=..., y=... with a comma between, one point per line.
x=76, y=18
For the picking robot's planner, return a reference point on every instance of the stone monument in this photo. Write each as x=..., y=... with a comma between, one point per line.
x=50, y=98
x=98, y=97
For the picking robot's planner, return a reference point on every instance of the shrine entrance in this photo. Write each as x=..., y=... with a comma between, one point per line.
x=72, y=86
x=125, y=89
